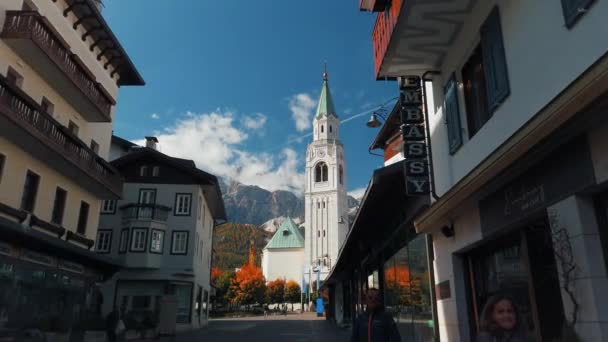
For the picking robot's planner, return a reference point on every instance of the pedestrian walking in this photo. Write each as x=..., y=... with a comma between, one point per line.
x=112, y=321
x=375, y=325
x=500, y=321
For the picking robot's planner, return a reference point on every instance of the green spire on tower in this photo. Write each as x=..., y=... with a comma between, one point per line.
x=326, y=103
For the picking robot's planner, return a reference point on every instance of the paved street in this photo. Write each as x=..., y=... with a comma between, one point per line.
x=293, y=328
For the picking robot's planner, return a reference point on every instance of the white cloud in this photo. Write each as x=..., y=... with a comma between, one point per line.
x=155, y=116
x=302, y=106
x=215, y=143
x=256, y=121
x=357, y=193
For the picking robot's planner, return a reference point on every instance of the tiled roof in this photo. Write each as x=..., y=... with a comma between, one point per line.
x=287, y=236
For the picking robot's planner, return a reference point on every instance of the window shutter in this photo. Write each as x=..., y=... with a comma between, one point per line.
x=494, y=61
x=574, y=9
x=453, y=116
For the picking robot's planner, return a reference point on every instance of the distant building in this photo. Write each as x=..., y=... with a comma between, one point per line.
x=161, y=230
x=61, y=68
x=283, y=256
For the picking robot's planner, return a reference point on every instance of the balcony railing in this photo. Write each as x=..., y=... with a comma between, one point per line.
x=26, y=113
x=31, y=25
x=139, y=211
x=383, y=30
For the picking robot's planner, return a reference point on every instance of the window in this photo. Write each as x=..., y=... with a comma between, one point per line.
x=138, y=239
x=494, y=61
x=14, y=78
x=179, y=242
x=341, y=174
x=157, y=241
x=155, y=171
x=59, y=206
x=200, y=206
x=318, y=205
x=330, y=129
x=124, y=240
x=72, y=127
x=318, y=233
x=104, y=241
x=83, y=217
x=321, y=128
x=30, y=191
x=94, y=146
x=2, y=162
x=108, y=207
x=321, y=172
x=323, y=204
x=200, y=248
x=323, y=232
x=182, y=204
x=452, y=114
x=140, y=302
x=47, y=106
x=475, y=92
x=574, y=10
x=143, y=171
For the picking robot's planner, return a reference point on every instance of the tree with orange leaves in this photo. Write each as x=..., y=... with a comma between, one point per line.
x=215, y=273
x=275, y=291
x=248, y=285
x=292, y=292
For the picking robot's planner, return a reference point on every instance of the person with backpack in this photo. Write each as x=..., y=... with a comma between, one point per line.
x=375, y=324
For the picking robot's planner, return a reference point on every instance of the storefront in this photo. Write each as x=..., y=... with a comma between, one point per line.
x=47, y=285
x=383, y=251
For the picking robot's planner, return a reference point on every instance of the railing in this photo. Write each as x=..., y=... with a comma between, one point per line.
x=383, y=30
x=139, y=211
x=31, y=25
x=28, y=114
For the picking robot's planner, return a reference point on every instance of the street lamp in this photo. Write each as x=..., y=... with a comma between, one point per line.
x=373, y=121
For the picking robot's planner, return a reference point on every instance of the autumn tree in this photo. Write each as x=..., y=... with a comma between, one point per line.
x=275, y=291
x=248, y=285
x=215, y=274
x=222, y=284
x=292, y=292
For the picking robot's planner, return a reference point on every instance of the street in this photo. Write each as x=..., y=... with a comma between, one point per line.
x=293, y=327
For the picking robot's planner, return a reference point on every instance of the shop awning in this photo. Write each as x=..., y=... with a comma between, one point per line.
x=11, y=231
x=384, y=209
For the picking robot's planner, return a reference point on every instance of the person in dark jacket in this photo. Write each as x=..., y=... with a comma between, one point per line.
x=500, y=321
x=111, y=323
x=375, y=325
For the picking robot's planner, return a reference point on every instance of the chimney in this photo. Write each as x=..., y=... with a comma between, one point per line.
x=151, y=142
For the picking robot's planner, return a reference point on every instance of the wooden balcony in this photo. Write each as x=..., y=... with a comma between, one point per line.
x=24, y=123
x=383, y=31
x=34, y=38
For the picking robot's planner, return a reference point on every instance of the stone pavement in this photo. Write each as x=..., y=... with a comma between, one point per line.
x=293, y=328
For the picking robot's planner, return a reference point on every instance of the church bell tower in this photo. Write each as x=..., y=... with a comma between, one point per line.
x=326, y=208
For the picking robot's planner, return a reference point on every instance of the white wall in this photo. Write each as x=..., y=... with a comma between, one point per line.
x=542, y=56
x=283, y=263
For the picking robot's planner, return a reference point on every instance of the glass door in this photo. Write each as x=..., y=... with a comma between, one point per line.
x=147, y=199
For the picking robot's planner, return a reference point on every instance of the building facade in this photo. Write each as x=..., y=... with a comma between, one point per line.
x=513, y=94
x=283, y=256
x=161, y=231
x=325, y=197
x=59, y=80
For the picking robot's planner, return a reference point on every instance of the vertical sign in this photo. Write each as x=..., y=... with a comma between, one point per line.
x=414, y=135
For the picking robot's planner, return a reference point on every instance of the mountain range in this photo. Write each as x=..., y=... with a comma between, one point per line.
x=250, y=204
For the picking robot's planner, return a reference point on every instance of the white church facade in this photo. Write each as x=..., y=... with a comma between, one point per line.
x=325, y=200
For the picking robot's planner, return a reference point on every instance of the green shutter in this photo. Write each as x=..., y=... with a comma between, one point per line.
x=453, y=115
x=574, y=9
x=494, y=61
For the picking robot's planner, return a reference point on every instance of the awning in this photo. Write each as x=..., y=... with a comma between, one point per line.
x=384, y=209
x=12, y=231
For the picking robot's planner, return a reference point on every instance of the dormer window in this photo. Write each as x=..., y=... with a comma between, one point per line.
x=143, y=171
x=321, y=172
x=285, y=232
x=155, y=171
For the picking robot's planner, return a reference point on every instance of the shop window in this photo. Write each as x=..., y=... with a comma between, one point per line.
x=182, y=204
x=30, y=191
x=321, y=172
x=452, y=114
x=475, y=92
x=104, y=241
x=156, y=241
x=83, y=217
x=179, y=242
x=124, y=240
x=138, y=239
x=59, y=206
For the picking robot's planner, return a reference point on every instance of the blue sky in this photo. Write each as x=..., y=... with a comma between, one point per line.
x=231, y=84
